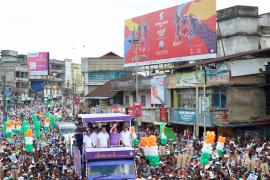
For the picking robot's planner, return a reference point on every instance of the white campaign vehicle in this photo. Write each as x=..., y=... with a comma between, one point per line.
x=67, y=129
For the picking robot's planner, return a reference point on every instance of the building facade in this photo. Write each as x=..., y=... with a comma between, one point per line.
x=228, y=94
x=77, y=78
x=14, y=68
x=98, y=70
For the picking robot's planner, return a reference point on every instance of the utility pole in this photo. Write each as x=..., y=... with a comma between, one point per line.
x=196, y=126
x=73, y=93
x=3, y=77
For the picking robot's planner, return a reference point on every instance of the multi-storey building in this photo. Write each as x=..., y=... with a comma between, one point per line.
x=14, y=68
x=98, y=70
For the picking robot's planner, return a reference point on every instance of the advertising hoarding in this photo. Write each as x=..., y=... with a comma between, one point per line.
x=158, y=90
x=187, y=115
x=163, y=114
x=186, y=79
x=137, y=109
x=217, y=77
x=38, y=63
x=180, y=33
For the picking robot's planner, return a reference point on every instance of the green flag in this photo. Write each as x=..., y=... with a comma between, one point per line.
x=169, y=133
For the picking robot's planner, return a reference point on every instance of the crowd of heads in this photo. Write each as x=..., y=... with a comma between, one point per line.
x=241, y=159
x=49, y=159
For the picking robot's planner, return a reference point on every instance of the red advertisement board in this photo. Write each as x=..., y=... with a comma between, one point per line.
x=77, y=100
x=129, y=110
x=38, y=63
x=137, y=109
x=180, y=33
x=163, y=114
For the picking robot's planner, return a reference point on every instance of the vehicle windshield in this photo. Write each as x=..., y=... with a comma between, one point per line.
x=66, y=131
x=111, y=170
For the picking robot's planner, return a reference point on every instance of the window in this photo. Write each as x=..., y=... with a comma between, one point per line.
x=127, y=100
x=187, y=98
x=219, y=98
x=143, y=100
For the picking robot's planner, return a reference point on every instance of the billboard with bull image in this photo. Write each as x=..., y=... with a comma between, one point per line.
x=181, y=33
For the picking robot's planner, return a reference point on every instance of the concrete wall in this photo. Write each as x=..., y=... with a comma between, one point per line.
x=238, y=25
x=97, y=64
x=246, y=104
x=236, y=44
x=250, y=79
x=248, y=66
x=264, y=19
x=145, y=93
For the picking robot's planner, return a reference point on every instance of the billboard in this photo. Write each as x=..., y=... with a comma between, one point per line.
x=180, y=33
x=158, y=90
x=38, y=63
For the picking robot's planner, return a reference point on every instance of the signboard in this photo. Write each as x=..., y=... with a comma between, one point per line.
x=96, y=155
x=187, y=79
x=137, y=109
x=217, y=77
x=8, y=91
x=186, y=115
x=180, y=33
x=208, y=117
x=77, y=100
x=38, y=63
x=129, y=110
x=158, y=90
x=163, y=114
x=204, y=104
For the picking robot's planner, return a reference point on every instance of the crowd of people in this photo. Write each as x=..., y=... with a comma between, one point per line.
x=180, y=159
x=49, y=159
x=106, y=136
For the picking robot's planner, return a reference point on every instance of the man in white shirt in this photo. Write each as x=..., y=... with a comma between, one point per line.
x=87, y=139
x=93, y=136
x=126, y=137
x=103, y=138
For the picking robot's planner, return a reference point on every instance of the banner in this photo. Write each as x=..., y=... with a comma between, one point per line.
x=187, y=115
x=38, y=63
x=186, y=79
x=217, y=77
x=158, y=90
x=163, y=114
x=137, y=109
x=181, y=33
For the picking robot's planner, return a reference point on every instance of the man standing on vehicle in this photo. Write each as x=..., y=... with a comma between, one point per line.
x=87, y=139
x=103, y=138
x=126, y=137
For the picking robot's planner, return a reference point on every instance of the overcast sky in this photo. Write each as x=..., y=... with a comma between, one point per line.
x=75, y=28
